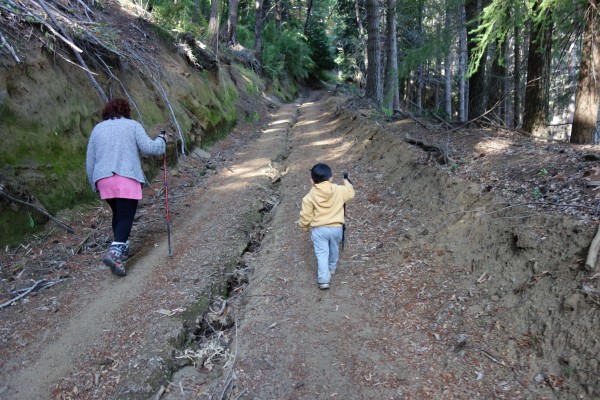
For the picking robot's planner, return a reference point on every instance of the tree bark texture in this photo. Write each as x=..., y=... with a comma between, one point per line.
x=258, y=28
x=448, y=68
x=278, y=14
x=537, y=91
x=232, y=21
x=585, y=120
x=477, y=83
x=392, y=99
x=496, y=85
x=361, y=40
x=517, y=79
x=213, y=24
x=462, y=65
x=373, y=90
x=308, y=13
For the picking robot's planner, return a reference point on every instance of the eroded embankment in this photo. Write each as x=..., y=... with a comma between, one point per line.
x=517, y=274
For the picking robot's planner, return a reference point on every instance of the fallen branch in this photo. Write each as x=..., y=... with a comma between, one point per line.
x=531, y=281
x=9, y=47
x=590, y=262
x=429, y=147
x=80, y=245
x=443, y=121
x=25, y=293
x=75, y=53
x=37, y=286
x=36, y=208
x=494, y=359
x=112, y=76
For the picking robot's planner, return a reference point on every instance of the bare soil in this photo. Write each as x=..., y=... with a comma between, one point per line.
x=462, y=276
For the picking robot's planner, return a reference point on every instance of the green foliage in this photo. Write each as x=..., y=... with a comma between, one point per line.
x=348, y=56
x=253, y=117
x=500, y=18
x=496, y=21
x=286, y=51
x=178, y=16
x=254, y=84
x=245, y=36
x=319, y=42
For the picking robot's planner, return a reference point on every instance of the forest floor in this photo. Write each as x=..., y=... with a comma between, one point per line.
x=462, y=275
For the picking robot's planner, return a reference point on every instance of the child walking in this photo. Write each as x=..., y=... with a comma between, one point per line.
x=323, y=212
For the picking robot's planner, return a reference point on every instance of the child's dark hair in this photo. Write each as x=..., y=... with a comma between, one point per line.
x=320, y=173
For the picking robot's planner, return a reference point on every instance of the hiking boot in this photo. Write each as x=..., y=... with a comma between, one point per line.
x=126, y=252
x=116, y=256
x=323, y=286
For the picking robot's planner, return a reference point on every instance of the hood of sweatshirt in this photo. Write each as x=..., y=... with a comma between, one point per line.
x=322, y=194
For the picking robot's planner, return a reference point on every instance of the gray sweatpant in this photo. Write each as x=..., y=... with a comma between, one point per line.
x=326, y=240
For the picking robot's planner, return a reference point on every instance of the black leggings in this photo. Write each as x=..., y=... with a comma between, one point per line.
x=122, y=219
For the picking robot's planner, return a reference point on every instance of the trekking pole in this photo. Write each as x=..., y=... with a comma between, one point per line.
x=343, y=242
x=168, y=215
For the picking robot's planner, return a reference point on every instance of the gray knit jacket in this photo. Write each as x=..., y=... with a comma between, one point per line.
x=115, y=146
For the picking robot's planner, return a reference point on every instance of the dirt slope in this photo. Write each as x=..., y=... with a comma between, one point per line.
x=444, y=289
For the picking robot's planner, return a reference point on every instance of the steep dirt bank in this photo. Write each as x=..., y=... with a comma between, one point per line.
x=444, y=290
x=48, y=108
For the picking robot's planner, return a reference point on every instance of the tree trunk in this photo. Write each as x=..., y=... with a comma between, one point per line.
x=462, y=65
x=496, y=85
x=448, y=69
x=585, y=121
x=258, y=29
x=419, y=86
x=517, y=80
x=232, y=21
x=373, y=90
x=537, y=92
x=308, y=13
x=213, y=25
x=506, y=84
x=196, y=12
x=392, y=99
x=361, y=40
x=278, y=14
x=477, y=86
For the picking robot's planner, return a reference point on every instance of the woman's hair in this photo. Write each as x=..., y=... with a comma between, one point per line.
x=320, y=173
x=116, y=108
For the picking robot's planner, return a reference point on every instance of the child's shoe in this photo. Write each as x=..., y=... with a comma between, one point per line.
x=323, y=286
x=116, y=256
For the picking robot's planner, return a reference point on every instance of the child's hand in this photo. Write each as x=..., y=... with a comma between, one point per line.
x=346, y=177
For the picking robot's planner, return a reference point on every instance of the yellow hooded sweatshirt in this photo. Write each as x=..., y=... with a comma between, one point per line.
x=324, y=205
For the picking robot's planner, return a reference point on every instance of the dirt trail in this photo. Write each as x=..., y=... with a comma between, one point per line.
x=442, y=292
x=108, y=339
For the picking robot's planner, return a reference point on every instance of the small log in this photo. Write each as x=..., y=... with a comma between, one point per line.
x=590, y=262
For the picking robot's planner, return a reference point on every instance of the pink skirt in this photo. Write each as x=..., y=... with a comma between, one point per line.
x=119, y=187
